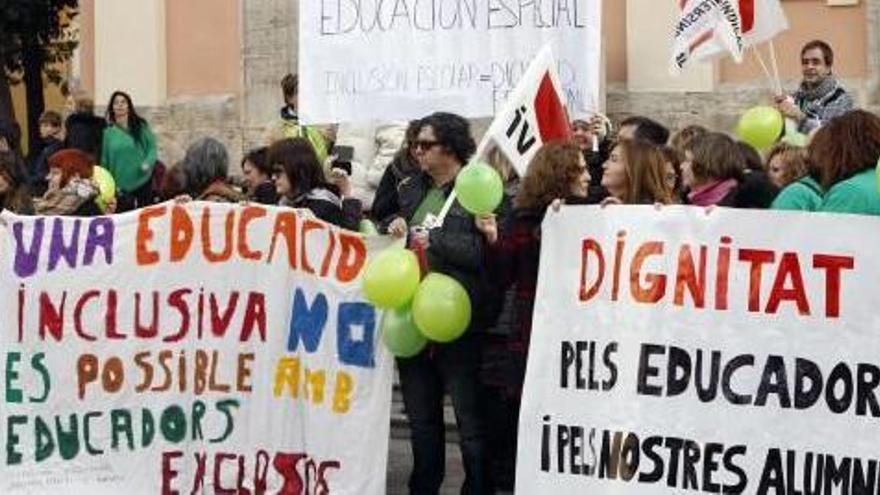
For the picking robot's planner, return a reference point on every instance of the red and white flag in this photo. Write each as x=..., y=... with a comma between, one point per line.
x=760, y=21
x=532, y=115
x=702, y=21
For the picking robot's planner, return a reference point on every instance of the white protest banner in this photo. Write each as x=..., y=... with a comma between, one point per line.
x=677, y=351
x=374, y=59
x=706, y=20
x=200, y=348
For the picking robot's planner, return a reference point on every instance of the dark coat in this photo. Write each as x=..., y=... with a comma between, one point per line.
x=326, y=205
x=512, y=263
x=85, y=132
x=40, y=167
x=754, y=191
x=88, y=209
x=595, y=161
x=385, y=202
x=456, y=249
x=265, y=194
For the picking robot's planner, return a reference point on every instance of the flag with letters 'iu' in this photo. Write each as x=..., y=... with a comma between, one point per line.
x=707, y=28
x=533, y=114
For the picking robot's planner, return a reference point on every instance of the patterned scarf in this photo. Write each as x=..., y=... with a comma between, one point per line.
x=812, y=99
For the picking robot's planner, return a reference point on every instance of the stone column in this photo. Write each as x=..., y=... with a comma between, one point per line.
x=271, y=35
x=873, y=51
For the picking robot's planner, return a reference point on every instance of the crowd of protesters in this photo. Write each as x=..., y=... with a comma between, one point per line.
x=495, y=257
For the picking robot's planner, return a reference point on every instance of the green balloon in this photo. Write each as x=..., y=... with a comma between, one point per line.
x=391, y=278
x=367, y=228
x=441, y=308
x=795, y=139
x=479, y=188
x=760, y=127
x=106, y=186
x=793, y=136
x=400, y=334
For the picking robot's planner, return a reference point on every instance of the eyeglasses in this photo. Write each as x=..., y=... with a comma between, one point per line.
x=424, y=144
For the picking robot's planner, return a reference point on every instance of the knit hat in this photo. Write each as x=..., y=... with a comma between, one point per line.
x=72, y=162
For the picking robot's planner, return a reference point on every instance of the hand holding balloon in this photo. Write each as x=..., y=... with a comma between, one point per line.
x=479, y=188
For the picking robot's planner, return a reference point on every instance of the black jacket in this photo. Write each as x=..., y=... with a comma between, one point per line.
x=385, y=202
x=88, y=209
x=595, y=162
x=324, y=202
x=265, y=193
x=456, y=249
x=40, y=167
x=85, y=132
x=754, y=191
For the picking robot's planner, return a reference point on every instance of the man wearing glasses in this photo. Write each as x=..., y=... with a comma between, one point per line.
x=442, y=147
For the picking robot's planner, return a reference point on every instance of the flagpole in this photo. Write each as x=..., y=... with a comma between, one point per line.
x=760, y=60
x=480, y=153
x=777, y=79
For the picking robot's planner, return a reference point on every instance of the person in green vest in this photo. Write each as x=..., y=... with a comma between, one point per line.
x=846, y=151
x=128, y=151
x=290, y=128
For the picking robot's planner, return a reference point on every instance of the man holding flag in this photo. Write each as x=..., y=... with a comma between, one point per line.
x=820, y=96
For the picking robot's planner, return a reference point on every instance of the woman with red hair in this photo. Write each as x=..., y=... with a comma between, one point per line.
x=845, y=152
x=71, y=189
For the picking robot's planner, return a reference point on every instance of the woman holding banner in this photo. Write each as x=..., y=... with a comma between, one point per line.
x=300, y=182
x=558, y=171
x=714, y=171
x=205, y=172
x=71, y=188
x=635, y=173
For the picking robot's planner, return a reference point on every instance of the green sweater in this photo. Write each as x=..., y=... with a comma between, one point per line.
x=858, y=194
x=804, y=194
x=129, y=160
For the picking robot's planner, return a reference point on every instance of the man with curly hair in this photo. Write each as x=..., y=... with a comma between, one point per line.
x=456, y=248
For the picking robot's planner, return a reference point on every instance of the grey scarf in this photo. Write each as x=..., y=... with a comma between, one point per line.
x=823, y=89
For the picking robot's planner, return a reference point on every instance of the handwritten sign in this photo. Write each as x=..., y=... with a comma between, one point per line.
x=734, y=352
x=376, y=59
x=189, y=349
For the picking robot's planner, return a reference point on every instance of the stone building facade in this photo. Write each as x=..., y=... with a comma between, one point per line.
x=212, y=67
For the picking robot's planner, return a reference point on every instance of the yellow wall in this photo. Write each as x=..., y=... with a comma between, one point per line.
x=130, y=50
x=614, y=37
x=204, y=40
x=845, y=28
x=54, y=101
x=204, y=45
